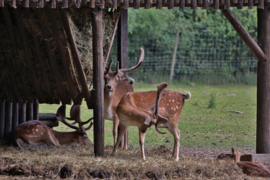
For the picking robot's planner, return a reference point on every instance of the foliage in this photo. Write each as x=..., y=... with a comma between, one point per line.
x=212, y=100
x=201, y=31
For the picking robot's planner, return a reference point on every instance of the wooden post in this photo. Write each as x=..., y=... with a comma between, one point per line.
x=36, y=110
x=122, y=52
x=2, y=119
x=237, y=25
x=175, y=51
x=15, y=115
x=22, y=113
x=98, y=85
x=263, y=83
x=29, y=111
x=8, y=119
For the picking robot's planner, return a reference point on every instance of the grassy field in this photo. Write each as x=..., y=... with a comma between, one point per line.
x=201, y=127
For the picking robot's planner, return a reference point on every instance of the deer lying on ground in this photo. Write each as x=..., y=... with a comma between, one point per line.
x=251, y=168
x=170, y=108
x=116, y=86
x=36, y=133
x=129, y=114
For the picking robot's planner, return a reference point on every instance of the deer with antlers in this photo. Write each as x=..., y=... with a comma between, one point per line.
x=170, y=108
x=129, y=114
x=36, y=133
x=117, y=84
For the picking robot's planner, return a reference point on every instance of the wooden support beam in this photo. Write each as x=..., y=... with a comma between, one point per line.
x=2, y=119
x=193, y=4
x=98, y=71
x=15, y=115
x=22, y=113
x=36, y=110
x=263, y=83
x=75, y=55
x=182, y=4
x=29, y=111
x=8, y=119
x=122, y=49
x=122, y=44
x=257, y=51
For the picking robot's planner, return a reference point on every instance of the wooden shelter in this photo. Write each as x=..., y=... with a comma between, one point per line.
x=67, y=86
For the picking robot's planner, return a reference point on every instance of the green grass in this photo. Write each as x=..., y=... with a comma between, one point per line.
x=201, y=127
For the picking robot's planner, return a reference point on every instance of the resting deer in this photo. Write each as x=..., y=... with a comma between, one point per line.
x=116, y=86
x=36, y=133
x=129, y=114
x=170, y=108
x=251, y=168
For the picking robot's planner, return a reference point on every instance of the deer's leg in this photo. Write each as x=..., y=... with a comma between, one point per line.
x=115, y=127
x=142, y=137
x=121, y=132
x=126, y=140
x=176, y=134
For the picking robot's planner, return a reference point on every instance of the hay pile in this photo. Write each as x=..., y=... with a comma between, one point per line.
x=35, y=55
x=79, y=163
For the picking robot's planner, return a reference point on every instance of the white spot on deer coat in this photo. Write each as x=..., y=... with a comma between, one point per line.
x=37, y=130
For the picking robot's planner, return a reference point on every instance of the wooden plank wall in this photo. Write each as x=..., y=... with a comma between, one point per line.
x=13, y=114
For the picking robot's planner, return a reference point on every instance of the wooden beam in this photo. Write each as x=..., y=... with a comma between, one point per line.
x=2, y=119
x=15, y=115
x=257, y=51
x=75, y=55
x=8, y=119
x=29, y=111
x=36, y=110
x=263, y=83
x=123, y=39
x=98, y=85
x=22, y=113
x=122, y=51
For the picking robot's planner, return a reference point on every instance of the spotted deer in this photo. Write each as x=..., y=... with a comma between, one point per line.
x=129, y=114
x=170, y=107
x=117, y=84
x=36, y=133
x=250, y=168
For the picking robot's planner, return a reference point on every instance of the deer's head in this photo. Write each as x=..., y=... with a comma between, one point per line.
x=113, y=77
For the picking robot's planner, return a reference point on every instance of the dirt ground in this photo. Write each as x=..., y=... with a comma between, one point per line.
x=77, y=162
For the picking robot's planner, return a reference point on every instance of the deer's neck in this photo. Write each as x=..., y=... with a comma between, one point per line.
x=65, y=138
x=109, y=98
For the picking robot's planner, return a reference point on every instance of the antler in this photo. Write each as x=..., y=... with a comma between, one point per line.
x=75, y=113
x=108, y=67
x=140, y=60
x=160, y=119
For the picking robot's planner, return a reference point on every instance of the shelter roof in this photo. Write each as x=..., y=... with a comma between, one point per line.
x=136, y=4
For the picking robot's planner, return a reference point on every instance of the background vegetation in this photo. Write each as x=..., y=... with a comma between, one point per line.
x=209, y=49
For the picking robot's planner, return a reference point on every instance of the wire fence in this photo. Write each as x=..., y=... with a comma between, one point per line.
x=200, y=58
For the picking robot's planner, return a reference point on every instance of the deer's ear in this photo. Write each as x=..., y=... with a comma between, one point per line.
x=152, y=108
x=147, y=121
x=162, y=119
